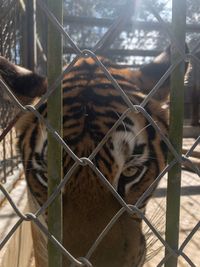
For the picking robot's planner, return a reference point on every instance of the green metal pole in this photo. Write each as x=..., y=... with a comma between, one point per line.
x=54, y=110
x=175, y=132
x=29, y=51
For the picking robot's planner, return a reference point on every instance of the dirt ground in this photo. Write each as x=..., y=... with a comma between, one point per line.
x=189, y=217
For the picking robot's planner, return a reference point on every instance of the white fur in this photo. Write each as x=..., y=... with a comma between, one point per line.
x=118, y=139
x=121, y=153
x=22, y=70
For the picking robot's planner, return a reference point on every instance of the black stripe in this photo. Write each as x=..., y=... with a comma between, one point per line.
x=43, y=149
x=164, y=149
x=138, y=149
x=69, y=126
x=74, y=109
x=128, y=121
x=74, y=140
x=123, y=128
x=121, y=187
x=93, y=113
x=106, y=163
x=151, y=132
x=152, y=154
x=38, y=158
x=34, y=137
x=108, y=85
x=19, y=143
x=88, y=94
x=29, y=170
x=108, y=153
x=74, y=116
x=42, y=108
x=74, y=83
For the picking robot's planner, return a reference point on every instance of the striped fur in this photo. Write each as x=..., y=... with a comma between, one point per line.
x=131, y=159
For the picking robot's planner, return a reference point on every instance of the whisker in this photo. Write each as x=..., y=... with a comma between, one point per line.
x=157, y=219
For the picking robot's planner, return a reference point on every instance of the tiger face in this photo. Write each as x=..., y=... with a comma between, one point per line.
x=129, y=159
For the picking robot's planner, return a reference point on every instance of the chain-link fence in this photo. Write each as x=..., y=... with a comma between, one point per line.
x=172, y=249
x=10, y=47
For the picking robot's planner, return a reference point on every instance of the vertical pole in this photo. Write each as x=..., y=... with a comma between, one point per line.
x=54, y=111
x=175, y=131
x=42, y=39
x=29, y=35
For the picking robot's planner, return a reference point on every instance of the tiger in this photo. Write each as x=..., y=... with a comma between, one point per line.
x=130, y=160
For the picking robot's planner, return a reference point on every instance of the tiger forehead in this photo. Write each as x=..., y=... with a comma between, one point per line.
x=90, y=66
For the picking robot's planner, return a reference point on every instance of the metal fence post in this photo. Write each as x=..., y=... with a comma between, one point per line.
x=54, y=110
x=29, y=34
x=175, y=131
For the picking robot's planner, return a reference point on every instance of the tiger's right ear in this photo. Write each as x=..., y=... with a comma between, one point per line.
x=25, y=84
x=150, y=74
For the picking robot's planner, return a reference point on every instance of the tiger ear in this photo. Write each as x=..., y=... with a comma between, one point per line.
x=151, y=73
x=25, y=84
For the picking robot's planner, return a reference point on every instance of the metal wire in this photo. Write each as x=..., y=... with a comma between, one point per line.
x=131, y=107
x=9, y=158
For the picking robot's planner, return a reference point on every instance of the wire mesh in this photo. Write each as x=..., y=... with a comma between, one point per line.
x=10, y=48
x=83, y=161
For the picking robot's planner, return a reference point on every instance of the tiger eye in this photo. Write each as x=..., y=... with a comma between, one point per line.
x=130, y=171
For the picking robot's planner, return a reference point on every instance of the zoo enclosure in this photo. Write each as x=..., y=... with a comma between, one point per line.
x=30, y=61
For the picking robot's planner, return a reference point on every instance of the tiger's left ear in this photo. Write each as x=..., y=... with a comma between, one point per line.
x=25, y=84
x=151, y=73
